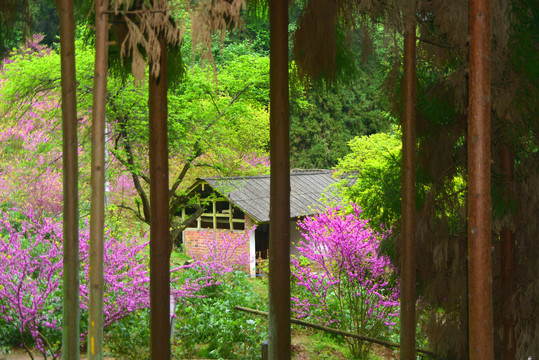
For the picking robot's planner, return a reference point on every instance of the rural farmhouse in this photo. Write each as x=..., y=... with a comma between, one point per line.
x=235, y=204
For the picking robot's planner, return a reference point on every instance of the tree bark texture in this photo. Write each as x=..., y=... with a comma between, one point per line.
x=97, y=208
x=408, y=263
x=279, y=242
x=71, y=263
x=159, y=215
x=480, y=332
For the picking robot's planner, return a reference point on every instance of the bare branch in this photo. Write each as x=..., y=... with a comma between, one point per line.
x=177, y=230
x=213, y=101
x=136, y=212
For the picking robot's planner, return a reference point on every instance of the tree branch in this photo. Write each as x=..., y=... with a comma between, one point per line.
x=123, y=136
x=177, y=230
x=136, y=212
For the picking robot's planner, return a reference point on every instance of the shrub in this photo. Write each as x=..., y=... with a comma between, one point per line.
x=31, y=278
x=209, y=327
x=207, y=324
x=347, y=283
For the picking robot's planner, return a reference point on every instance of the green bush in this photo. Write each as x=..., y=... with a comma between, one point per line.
x=9, y=336
x=209, y=327
x=129, y=338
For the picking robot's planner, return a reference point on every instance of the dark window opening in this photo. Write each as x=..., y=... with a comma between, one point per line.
x=262, y=241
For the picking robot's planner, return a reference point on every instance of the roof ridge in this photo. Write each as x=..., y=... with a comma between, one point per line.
x=292, y=172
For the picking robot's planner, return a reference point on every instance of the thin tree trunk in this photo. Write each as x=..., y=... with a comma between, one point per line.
x=159, y=219
x=97, y=210
x=480, y=332
x=279, y=242
x=508, y=260
x=71, y=263
x=408, y=275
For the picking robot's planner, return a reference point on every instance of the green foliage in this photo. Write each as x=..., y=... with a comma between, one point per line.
x=215, y=126
x=321, y=129
x=210, y=328
x=324, y=117
x=373, y=166
x=9, y=336
x=129, y=338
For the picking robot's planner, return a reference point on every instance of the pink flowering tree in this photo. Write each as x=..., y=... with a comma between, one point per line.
x=342, y=279
x=226, y=253
x=31, y=278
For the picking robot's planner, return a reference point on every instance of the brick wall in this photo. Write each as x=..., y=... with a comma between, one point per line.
x=195, y=241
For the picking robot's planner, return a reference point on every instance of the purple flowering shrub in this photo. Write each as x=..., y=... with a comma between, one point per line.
x=225, y=255
x=126, y=276
x=342, y=279
x=205, y=292
x=31, y=278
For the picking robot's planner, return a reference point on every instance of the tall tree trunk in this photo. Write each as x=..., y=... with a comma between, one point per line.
x=408, y=275
x=97, y=210
x=508, y=258
x=159, y=219
x=71, y=263
x=279, y=242
x=480, y=332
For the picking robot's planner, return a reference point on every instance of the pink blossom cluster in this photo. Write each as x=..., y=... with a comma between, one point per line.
x=125, y=274
x=225, y=254
x=121, y=189
x=37, y=190
x=255, y=161
x=31, y=273
x=30, y=177
x=31, y=47
x=346, y=281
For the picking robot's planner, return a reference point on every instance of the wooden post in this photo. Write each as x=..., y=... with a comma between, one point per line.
x=279, y=242
x=481, y=333
x=231, y=215
x=265, y=350
x=408, y=275
x=97, y=207
x=214, y=213
x=159, y=218
x=71, y=263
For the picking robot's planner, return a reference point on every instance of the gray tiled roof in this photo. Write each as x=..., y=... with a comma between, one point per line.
x=252, y=193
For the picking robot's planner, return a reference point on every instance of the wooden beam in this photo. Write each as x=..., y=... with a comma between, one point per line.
x=214, y=214
x=480, y=311
x=337, y=331
x=231, y=214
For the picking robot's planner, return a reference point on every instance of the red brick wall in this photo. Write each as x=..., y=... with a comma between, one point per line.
x=195, y=242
